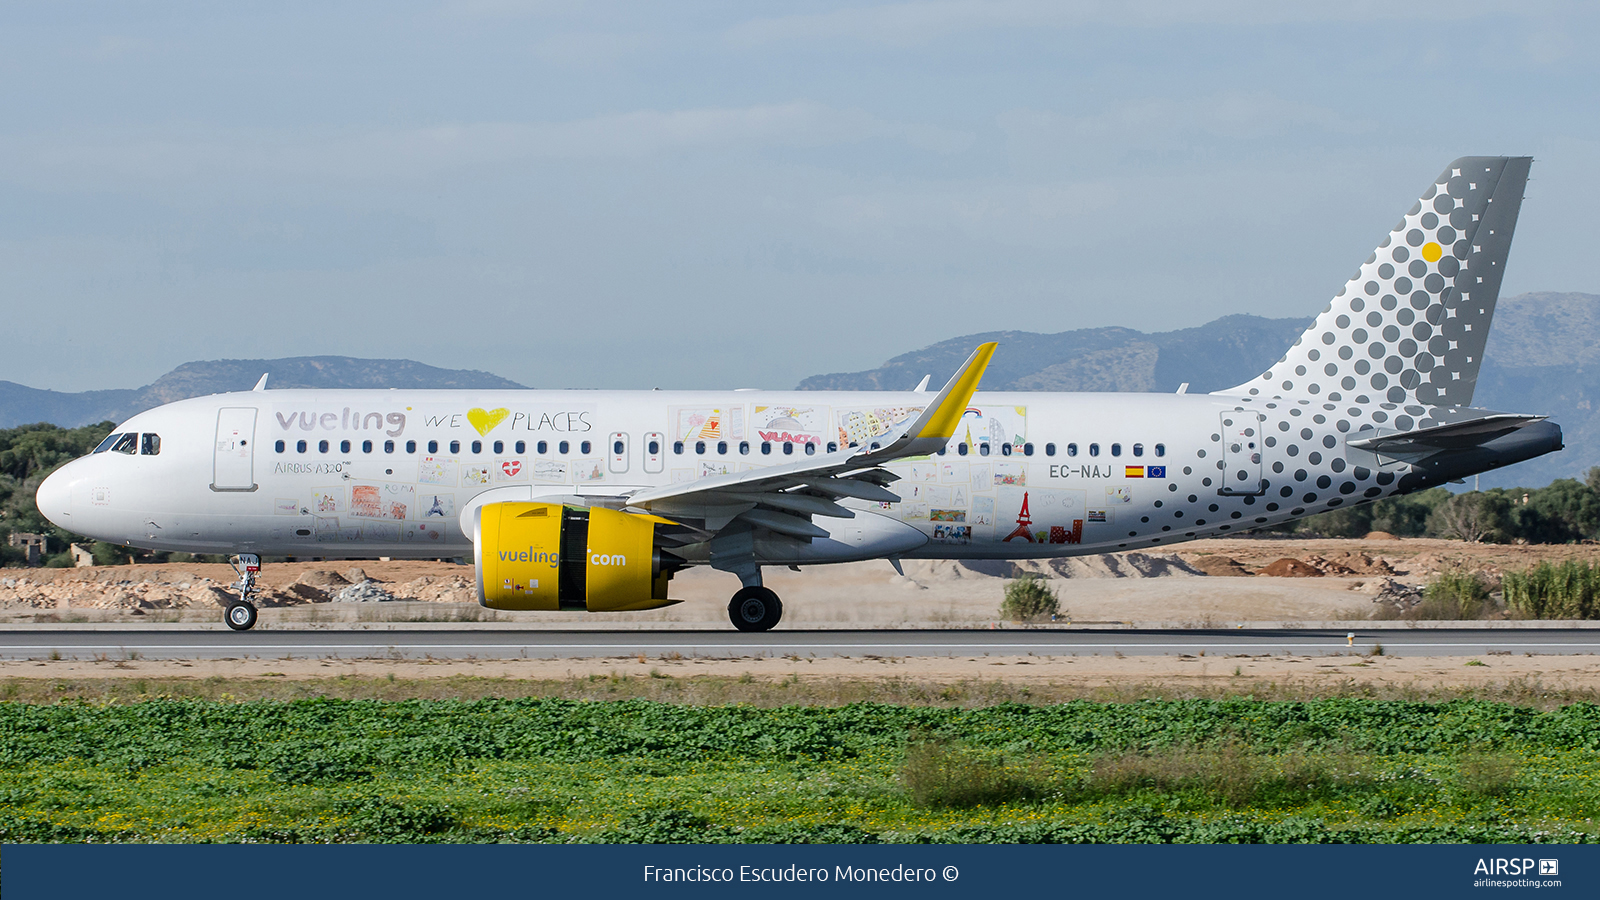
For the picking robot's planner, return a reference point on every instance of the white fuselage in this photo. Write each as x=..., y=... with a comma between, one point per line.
x=335, y=473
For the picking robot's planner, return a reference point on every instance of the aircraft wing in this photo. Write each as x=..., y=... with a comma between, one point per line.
x=783, y=497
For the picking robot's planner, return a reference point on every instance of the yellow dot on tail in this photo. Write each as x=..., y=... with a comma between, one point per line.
x=1432, y=251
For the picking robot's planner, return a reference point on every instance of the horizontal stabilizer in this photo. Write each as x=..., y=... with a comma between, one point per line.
x=1452, y=436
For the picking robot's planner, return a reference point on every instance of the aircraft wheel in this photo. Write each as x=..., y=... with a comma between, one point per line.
x=755, y=609
x=240, y=616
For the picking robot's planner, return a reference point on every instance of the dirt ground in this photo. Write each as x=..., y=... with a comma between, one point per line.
x=1204, y=583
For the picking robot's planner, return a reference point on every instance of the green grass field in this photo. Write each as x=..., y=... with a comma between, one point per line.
x=548, y=769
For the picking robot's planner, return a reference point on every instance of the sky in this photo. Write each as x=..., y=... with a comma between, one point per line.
x=717, y=194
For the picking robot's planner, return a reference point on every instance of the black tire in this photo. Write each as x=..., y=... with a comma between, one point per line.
x=755, y=609
x=240, y=616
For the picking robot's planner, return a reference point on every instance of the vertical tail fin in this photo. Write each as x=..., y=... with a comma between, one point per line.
x=1409, y=327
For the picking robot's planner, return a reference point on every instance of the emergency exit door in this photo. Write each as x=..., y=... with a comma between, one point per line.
x=1241, y=454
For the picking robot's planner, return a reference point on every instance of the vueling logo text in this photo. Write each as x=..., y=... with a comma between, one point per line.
x=530, y=555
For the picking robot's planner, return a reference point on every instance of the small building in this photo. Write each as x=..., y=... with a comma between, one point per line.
x=32, y=545
x=82, y=556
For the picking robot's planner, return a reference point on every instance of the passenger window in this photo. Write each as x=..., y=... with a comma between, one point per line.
x=150, y=444
x=433, y=446
x=653, y=448
x=811, y=448
x=677, y=447
x=585, y=447
x=961, y=449
x=564, y=447
x=722, y=447
x=344, y=446
x=1094, y=449
x=543, y=447
x=455, y=447
x=299, y=446
x=477, y=446
x=111, y=439
x=1138, y=449
x=388, y=446
x=1161, y=449
x=1027, y=449
x=834, y=447
x=766, y=448
x=279, y=446
x=1072, y=449
x=366, y=446
x=744, y=448
x=1116, y=449
x=616, y=448
x=522, y=447
x=322, y=446
x=1049, y=449
x=983, y=449
x=411, y=446
x=788, y=448
x=499, y=447
x=1005, y=449
x=700, y=447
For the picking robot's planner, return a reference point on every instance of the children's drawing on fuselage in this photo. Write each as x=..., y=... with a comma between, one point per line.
x=384, y=532
x=952, y=534
x=980, y=477
x=708, y=423
x=285, y=506
x=328, y=501
x=1010, y=474
x=790, y=424
x=1039, y=515
x=382, y=501
x=954, y=472
x=587, y=471
x=982, y=510
x=1119, y=494
x=921, y=472
x=858, y=426
x=430, y=532
x=437, y=470
x=510, y=470
x=717, y=467
x=549, y=471
x=436, y=506
x=994, y=426
x=475, y=475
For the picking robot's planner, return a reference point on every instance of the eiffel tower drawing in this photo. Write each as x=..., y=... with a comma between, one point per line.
x=1024, y=523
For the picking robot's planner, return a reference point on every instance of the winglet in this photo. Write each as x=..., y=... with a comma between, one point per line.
x=940, y=418
x=262, y=384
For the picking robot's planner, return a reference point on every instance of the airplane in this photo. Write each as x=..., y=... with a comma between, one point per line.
x=592, y=500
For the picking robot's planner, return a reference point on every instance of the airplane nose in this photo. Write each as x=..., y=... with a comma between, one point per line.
x=54, y=499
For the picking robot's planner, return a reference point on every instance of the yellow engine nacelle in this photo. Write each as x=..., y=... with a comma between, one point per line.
x=549, y=556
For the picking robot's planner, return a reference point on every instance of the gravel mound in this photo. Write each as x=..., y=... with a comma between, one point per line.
x=1289, y=567
x=364, y=592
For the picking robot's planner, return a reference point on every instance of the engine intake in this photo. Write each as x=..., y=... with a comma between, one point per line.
x=550, y=556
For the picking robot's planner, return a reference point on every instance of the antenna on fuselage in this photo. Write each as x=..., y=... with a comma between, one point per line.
x=262, y=384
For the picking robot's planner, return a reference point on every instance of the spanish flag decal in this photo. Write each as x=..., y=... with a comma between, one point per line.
x=1133, y=471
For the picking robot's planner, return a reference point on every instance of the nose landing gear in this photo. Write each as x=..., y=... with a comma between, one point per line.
x=241, y=613
x=755, y=608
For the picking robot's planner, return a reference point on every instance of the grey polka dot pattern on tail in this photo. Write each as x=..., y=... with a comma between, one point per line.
x=1420, y=306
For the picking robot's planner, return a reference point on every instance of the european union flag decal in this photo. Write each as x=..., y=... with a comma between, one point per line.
x=1155, y=471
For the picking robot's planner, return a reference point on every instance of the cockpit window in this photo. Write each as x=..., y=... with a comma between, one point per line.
x=149, y=444
x=106, y=444
x=127, y=443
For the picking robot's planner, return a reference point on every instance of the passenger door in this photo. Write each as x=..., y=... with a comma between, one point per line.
x=233, y=466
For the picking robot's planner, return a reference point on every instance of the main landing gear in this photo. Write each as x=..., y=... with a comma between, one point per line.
x=755, y=608
x=241, y=613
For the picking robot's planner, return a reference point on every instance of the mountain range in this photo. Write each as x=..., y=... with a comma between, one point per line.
x=1543, y=356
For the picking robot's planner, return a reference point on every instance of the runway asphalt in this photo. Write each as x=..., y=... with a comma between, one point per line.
x=156, y=643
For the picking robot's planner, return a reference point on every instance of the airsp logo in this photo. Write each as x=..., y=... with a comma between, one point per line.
x=1502, y=866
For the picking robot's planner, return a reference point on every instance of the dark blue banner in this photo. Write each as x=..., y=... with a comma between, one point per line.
x=56, y=871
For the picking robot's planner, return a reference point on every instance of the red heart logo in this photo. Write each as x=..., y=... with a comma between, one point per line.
x=511, y=467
